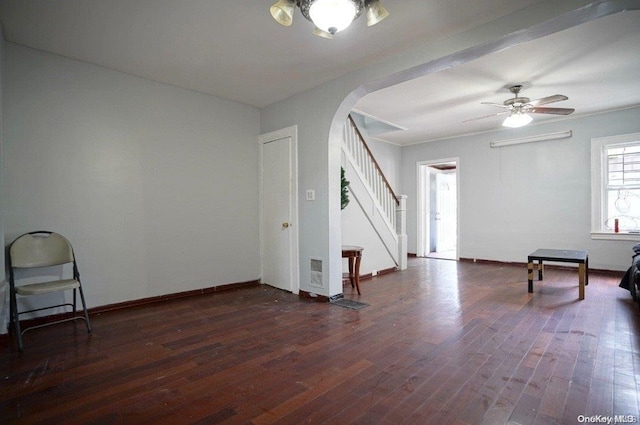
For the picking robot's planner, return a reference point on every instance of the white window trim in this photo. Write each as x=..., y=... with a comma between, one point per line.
x=598, y=146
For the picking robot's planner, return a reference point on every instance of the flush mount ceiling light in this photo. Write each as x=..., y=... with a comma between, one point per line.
x=329, y=16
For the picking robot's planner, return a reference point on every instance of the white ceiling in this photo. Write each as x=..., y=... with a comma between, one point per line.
x=231, y=48
x=234, y=49
x=595, y=64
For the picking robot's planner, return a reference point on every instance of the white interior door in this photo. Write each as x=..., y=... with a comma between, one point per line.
x=278, y=214
x=437, y=226
x=423, y=211
x=446, y=211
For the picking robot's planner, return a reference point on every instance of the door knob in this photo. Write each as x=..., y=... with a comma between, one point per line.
x=285, y=225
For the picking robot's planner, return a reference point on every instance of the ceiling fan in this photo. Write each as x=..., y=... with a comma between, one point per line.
x=519, y=108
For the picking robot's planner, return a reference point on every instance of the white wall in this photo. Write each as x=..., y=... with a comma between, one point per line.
x=156, y=186
x=515, y=199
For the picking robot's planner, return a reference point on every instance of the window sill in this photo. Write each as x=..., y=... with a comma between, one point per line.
x=622, y=236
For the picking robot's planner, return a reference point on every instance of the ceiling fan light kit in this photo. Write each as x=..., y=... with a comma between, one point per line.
x=517, y=119
x=329, y=16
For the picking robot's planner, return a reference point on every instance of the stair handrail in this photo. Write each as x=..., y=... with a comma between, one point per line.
x=373, y=159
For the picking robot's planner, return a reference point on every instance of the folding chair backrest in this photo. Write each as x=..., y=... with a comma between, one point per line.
x=40, y=250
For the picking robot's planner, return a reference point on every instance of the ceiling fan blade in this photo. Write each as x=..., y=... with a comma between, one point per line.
x=500, y=105
x=488, y=116
x=554, y=111
x=548, y=99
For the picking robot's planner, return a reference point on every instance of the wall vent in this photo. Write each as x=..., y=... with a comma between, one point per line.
x=316, y=272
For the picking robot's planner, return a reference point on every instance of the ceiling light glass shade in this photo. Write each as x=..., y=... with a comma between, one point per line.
x=517, y=119
x=322, y=34
x=375, y=12
x=282, y=11
x=333, y=16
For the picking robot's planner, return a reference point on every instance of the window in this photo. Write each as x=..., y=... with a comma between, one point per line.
x=615, y=187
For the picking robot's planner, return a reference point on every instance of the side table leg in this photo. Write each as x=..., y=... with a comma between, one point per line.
x=540, y=269
x=581, y=280
x=357, y=273
x=586, y=271
x=351, y=275
x=530, y=275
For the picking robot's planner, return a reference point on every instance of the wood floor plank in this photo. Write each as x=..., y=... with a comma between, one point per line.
x=441, y=342
x=295, y=403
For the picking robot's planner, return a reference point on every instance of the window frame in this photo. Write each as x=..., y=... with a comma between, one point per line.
x=599, y=169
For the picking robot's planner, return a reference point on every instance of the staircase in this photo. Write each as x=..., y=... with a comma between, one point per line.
x=368, y=186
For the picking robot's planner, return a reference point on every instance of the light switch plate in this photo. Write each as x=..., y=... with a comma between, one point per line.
x=311, y=195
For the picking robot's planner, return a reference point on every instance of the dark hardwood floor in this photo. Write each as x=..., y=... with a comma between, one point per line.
x=440, y=343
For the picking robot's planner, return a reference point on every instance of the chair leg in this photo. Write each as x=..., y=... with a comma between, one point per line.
x=18, y=335
x=14, y=320
x=84, y=307
x=11, y=309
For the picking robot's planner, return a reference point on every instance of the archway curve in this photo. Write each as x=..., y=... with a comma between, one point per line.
x=559, y=23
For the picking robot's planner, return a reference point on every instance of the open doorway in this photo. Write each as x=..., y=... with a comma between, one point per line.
x=438, y=209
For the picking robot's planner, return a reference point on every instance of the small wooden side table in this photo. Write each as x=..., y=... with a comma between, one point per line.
x=354, y=254
x=564, y=256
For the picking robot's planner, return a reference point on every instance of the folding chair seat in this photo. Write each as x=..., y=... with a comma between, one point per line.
x=38, y=250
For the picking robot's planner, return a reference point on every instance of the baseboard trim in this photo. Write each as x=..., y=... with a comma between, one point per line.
x=380, y=273
x=174, y=296
x=315, y=297
x=387, y=271
x=134, y=303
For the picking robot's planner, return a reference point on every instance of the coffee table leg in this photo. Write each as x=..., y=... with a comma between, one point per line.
x=530, y=275
x=581, y=280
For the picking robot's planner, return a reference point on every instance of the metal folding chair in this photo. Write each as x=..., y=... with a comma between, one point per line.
x=37, y=250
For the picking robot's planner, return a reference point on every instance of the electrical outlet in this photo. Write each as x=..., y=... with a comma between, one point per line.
x=374, y=273
x=311, y=195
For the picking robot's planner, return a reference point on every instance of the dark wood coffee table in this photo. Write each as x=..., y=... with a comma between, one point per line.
x=562, y=256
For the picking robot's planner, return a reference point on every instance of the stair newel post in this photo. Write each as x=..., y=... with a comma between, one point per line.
x=401, y=229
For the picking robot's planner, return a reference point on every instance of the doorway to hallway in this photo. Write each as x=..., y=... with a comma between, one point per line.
x=438, y=209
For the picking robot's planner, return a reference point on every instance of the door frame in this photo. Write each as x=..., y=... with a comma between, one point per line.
x=423, y=204
x=294, y=249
